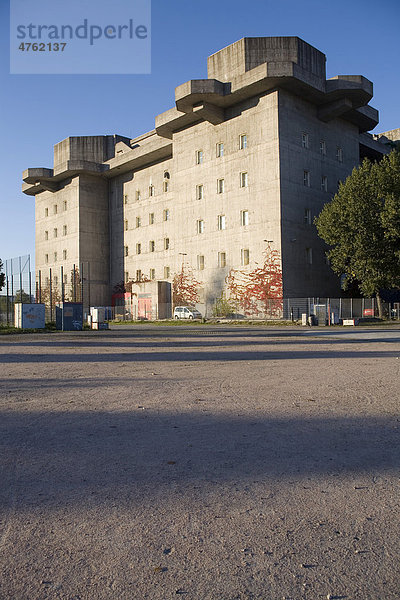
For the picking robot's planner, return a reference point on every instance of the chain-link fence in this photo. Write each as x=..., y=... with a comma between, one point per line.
x=19, y=286
x=49, y=287
x=292, y=309
x=61, y=285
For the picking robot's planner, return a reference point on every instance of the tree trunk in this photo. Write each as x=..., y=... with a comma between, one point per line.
x=379, y=304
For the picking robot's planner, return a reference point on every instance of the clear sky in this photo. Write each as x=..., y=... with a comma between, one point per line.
x=37, y=111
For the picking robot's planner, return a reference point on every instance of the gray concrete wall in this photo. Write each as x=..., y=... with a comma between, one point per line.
x=94, y=240
x=259, y=121
x=296, y=117
x=66, y=215
x=248, y=53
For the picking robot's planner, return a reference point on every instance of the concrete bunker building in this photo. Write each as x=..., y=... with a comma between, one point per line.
x=249, y=154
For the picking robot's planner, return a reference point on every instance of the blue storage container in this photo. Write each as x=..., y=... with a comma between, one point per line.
x=69, y=316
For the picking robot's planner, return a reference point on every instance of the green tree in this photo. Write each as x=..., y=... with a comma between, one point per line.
x=362, y=226
x=21, y=296
x=2, y=275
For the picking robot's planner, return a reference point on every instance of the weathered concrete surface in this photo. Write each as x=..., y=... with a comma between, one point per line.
x=213, y=463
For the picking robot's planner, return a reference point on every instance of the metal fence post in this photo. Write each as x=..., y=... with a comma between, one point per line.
x=62, y=284
x=8, y=302
x=51, y=295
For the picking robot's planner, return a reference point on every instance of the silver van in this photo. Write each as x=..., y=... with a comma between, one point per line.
x=186, y=312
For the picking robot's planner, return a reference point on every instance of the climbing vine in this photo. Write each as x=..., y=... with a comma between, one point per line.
x=185, y=287
x=259, y=291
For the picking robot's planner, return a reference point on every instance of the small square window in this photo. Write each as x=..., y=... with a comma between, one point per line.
x=200, y=226
x=244, y=256
x=339, y=154
x=322, y=147
x=199, y=157
x=46, y=258
x=200, y=262
x=166, y=243
x=244, y=180
x=324, y=183
x=65, y=205
x=244, y=217
x=242, y=141
x=220, y=149
x=220, y=186
x=304, y=140
x=138, y=195
x=46, y=235
x=138, y=222
x=166, y=186
x=307, y=216
x=166, y=214
x=152, y=273
x=46, y=212
x=222, y=259
x=306, y=178
x=138, y=275
x=221, y=222
x=152, y=246
x=64, y=230
x=151, y=190
x=151, y=218
x=64, y=255
x=199, y=192
x=126, y=251
x=55, y=209
x=55, y=232
x=166, y=272
x=138, y=248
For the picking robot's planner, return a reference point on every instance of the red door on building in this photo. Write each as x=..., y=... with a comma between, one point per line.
x=144, y=308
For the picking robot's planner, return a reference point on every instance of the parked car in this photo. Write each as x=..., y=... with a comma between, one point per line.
x=186, y=312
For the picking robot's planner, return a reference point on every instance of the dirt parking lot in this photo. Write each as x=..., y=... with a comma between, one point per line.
x=212, y=463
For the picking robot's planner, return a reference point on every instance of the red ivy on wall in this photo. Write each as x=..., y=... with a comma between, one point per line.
x=259, y=291
x=185, y=288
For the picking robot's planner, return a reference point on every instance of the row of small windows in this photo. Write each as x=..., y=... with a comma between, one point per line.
x=55, y=280
x=305, y=142
x=221, y=262
x=152, y=247
x=152, y=219
x=307, y=181
x=152, y=192
x=221, y=221
x=152, y=189
x=55, y=232
x=219, y=151
x=55, y=256
x=55, y=209
x=221, y=224
x=244, y=182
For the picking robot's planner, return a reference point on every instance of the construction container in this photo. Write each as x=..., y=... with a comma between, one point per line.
x=29, y=316
x=69, y=316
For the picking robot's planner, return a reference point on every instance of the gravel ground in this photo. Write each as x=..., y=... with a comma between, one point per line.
x=210, y=463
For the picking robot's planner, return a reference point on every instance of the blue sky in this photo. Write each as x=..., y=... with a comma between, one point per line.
x=37, y=111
